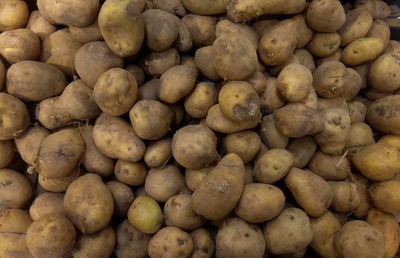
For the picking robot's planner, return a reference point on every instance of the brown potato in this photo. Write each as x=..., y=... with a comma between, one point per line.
x=362, y=50
x=275, y=70
x=333, y=103
x=352, y=84
x=378, y=9
x=360, y=135
x=202, y=29
x=358, y=23
x=39, y=25
x=374, y=94
x=200, y=100
x=383, y=73
x=100, y=244
x=14, y=116
x=156, y=63
x=325, y=16
x=19, y=45
x=270, y=134
x=386, y=195
x=272, y=166
x=260, y=26
x=305, y=58
x=305, y=32
x=246, y=144
x=150, y=90
x=2, y=75
x=365, y=201
x=302, y=150
x=329, y=79
x=330, y=167
x=380, y=29
x=203, y=243
x=346, y=196
x=324, y=229
x=324, y=44
x=335, y=56
x=271, y=99
x=137, y=72
x=171, y=6
x=47, y=203
x=194, y=177
x=6, y=153
x=177, y=243
x=294, y=82
x=258, y=81
x=202, y=59
x=184, y=42
x=123, y=197
x=16, y=191
x=357, y=111
x=130, y=173
x=226, y=26
x=14, y=14
x=58, y=185
x=207, y=7
x=86, y=34
x=131, y=243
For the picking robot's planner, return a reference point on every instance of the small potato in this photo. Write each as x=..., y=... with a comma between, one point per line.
x=19, y=45
x=177, y=82
x=88, y=203
x=194, y=177
x=330, y=167
x=346, y=196
x=184, y=42
x=203, y=243
x=378, y=9
x=39, y=25
x=246, y=144
x=360, y=135
x=236, y=238
x=35, y=81
x=131, y=243
x=260, y=202
x=273, y=166
x=202, y=59
x=86, y=34
x=271, y=99
x=324, y=44
x=220, y=191
x=59, y=153
x=228, y=27
x=386, y=195
x=310, y=191
x=115, y=91
x=383, y=73
x=357, y=111
x=358, y=23
x=93, y=59
x=6, y=153
x=16, y=191
x=47, y=203
x=200, y=100
x=359, y=239
x=116, y=139
x=58, y=185
x=28, y=144
x=326, y=16
x=305, y=58
x=270, y=134
x=163, y=183
x=324, y=229
x=194, y=146
x=208, y=7
x=380, y=29
x=150, y=90
x=362, y=50
x=294, y=82
x=302, y=150
x=123, y=197
x=14, y=14
x=329, y=79
x=289, y=232
x=100, y=244
x=145, y=214
x=156, y=63
x=202, y=28
x=130, y=173
x=177, y=243
x=158, y=153
x=171, y=6
x=261, y=25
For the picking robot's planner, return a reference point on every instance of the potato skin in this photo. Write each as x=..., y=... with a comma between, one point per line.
x=325, y=16
x=158, y=152
x=19, y=45
x=324, y=229
x=131, y=243
x=273, y=165
x=362, y=50
x=384, y=114
x=14, y=116
x=203, y=243
x=294, y=82
x=346, y=196
x=156, y=63
x=200, y=100
x=145, y=214
x=123, y=197
x=100, y=244
x=245, y=143
x=6, y=153
x=205, y=8
x=47, y=203
x=202, y=59
x=130, y=173
x=16, y=192
x=383, y=73
x=329, y=79
x=302, y=150
x=330, y=167
x=202, y=28
x=358, y=22
x=226, y=26
x=178, y=243
x=14, y=14
x=386, y=195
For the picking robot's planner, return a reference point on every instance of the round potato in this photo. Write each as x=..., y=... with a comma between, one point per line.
x=226, y=26
x=246, y=144
x=6, y=153
x=294, y=82
x=131, y=243
x=100, y=244
x=177, y=243
x=383, y=73
x=19, y=45
x=202, y=59
x=14, y=14
x=47, y=203
x=130, y=173
x=326, y=15
x=329, y=79
x=273, y=165
x=145, y=214
x=358, y=22
x=203, y=243
x=330, y=167
x=16, y=191
x=324, y=44
x=202, y=28
x=123, y=197
x=384, y=114
x=194, y=177
x=346, y=196
x=386, y=195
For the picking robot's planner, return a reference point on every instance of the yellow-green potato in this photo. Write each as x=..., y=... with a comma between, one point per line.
x=88, y=203
x=202, y=59
x=130, y=173
x=177, y=243
x=115, y=91
x=387, y=224
x=271, y=99
x=171, y=6
x=202, y=29
x=294, y=82
x=6, y=153
x=13, y=226
x=260, y=202
x=53, y=235
x=116, y=139
x=131, y=243
x=150, y=119
x=386, y=195
x=357, y=238
x=246, y=144
x=324, y=44
x=329, y=79
x=305, y=58
x=305, y=32
x=86, y=34
x=237, y=238
x=298, y=120
x=302, y=150
x=360, y=135
x=324, y=229
x=384, y=72
x=156, y=63
x=177, y=82
x=58, y=185
x=35, y=81
x=346, y=196
x=352, y=84
x=357, y=111
x=208, y=7
x=59, y=153
x=145, y=214
x=93, y=59
x=220, y=191
x=19, y=45
x=278, y=43
x=123, y=197
x=194, y=146
x=39, y=25
x=365, y=201
x=272, y=166
x=203, y=243
x=243, y=10
x=158, y=153
x=310, y=191
x=393, y=140
x=194, y=177
x=378, y=9
x=377, y=161
x=69, y=12
x=150, y=90
x=14, y=14
x=326, y=15
x=163, y=183
x=100, y=244
x=380, y=30
x=200, y=100
x=226, y=26
x=184, y=42
x=362, y=50
x=47, y=203
x=289, y=232
x=178, y=212
x=330, y=167
x=358, y=23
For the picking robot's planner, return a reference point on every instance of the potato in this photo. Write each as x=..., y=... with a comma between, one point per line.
x=58, y=185
x=221, y=188
x=272, y=166
x=176, y=243
x=93, y=59
x=75, y=103
x=393, y=47
x=137, y=72
x=365, y=201
x=386, y=195
x=378, y=9
x=275, y=70
x=346, y=196
x=270, y=134
x=100, y=244
x=194, y=146
x=14, y=117
x=203, y=243
x=130, y=173
x=357, y=111
x=14, y=14
x=380, y=30
x=116, y=139
x=156, y=63
x=246, y=144
x=359, y=239
x=202, y=59
x=383, y=73
x=362, y=50
x=39, y=25
x=86, y=34
x=171, y=6
x=47, y=203
x=123, y=197
x=358, y=22
x=298, y=120
x=360, y=135
x=352, y=84
x=330, y=167
x=294, y=82
x=302, y=150
x=88, y=203
x=260, y=202
x=289, y=232
x=324, y=229
x=202, y=29
x=325, y=16
x=35, y=81
x=177, y=82
x=59, y=153
x=387, y=224
x=163, y=183
x=329, y=79
x=150, y=90
x=305, y=32
x=19, y=45
x=205, y=8
x=242, y=10
x=225, y=26
x=324, y=44
x=145, y=214
x=271, y=99
x=184, y=41
x=131, y=243
x=52, y=235
x=14, y=223
x=158, y=153
x=200, y=100
x=194, y=177
x=6, y=153
x=393, y=140
x=305, y=58
x=258, y=81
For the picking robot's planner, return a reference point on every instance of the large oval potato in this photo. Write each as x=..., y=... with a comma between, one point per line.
x=294, y=82
x=325, y=16
x=362, y=50
x=246, y=144
x=324, y=44
x=384, y=114
x=14, y=117
x=329, y=79
x=358, y=22
x=330, y=167
x=272, y=165
x=346, y=196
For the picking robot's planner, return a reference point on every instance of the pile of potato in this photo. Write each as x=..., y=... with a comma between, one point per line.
x=188, y=128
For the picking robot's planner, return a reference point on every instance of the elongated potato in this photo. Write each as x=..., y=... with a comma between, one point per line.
x=14, y=117
x=158, y=152
x=362, y=50
x=330, y=167
x=384, y=114
x=386, y=195
x=324, y=229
